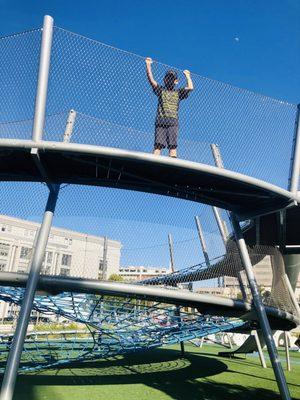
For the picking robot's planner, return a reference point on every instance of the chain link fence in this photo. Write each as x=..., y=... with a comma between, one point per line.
x=116, y=106
x=91, y=238
x=103, y=233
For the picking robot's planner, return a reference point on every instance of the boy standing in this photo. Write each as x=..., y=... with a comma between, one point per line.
x=166, y=124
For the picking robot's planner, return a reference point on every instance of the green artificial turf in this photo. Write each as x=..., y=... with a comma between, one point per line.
x=160, y=374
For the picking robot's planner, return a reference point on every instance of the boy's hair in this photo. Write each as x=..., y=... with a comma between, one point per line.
x=171, y=74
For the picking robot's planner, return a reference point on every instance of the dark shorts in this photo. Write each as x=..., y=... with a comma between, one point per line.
x=166, y=136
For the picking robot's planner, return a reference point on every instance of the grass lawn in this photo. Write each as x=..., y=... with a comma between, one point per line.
x=160, y=374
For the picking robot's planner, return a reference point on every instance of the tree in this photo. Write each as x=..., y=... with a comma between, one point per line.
x=116, y=278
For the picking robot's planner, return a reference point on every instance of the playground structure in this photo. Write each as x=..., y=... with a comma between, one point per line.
x=108, y=150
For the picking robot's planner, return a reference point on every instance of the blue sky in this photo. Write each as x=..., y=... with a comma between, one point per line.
x=199, y=35
x=250, y=44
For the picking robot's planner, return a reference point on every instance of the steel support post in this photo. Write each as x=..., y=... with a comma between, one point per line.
x=221, y=226
x=15, y=353
x=171, y=252
x=177, y=312
x=287, y=352
x=295, y=161
x=202, y=241
x=292, y=294
x=69, y=126
x=104, y=274
x=220, y=222
x=259, y=348
x=260, y=310
x=42, y=86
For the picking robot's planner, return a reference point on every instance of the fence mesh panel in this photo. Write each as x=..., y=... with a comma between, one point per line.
x=116, y=106
x=99, y=233
x=254, y=132
x=92, y=239
x=18, y=77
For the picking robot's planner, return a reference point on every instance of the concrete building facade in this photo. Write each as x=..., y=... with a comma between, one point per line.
x=137, y=273
x=263, y=274
x=68, y=253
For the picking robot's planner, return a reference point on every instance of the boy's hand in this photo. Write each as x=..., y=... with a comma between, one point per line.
x=151, y=80
x=189, y=81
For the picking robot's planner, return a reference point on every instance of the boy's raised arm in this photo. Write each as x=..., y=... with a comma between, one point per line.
x=189, y=81
x=151, y=80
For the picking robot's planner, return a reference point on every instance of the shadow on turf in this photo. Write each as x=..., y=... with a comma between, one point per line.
x=163, y=370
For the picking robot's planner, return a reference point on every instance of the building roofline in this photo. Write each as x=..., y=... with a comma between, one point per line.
x=55, y=229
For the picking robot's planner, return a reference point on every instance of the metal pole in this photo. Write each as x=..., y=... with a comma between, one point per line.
x=171, y=250
x=42, y=86
x=260, y=352
x=217, y=155
x=241, y=284
x=291, y=293
x=287, y=353
x=202, y=241
x=69, y=126
x=260, y=310
x=105, y=258
x=177, y=312
x=229, y=341
x=220, y=224
x=295, y=161
x=15, y=353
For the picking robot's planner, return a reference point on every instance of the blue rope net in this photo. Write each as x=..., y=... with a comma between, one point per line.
x=105, y=327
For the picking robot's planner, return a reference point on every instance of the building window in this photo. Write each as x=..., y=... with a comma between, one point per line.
x=66, y=260
x=103, y=265
x=49, y=257
x=25, y=253
x=65, y=272
x=4, y=249
x=6, y=228
x=68, y=241
x=46, y=270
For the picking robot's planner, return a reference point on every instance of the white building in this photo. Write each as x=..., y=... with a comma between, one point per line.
x=137, y=273
x=68, y=252
x=263, y=275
